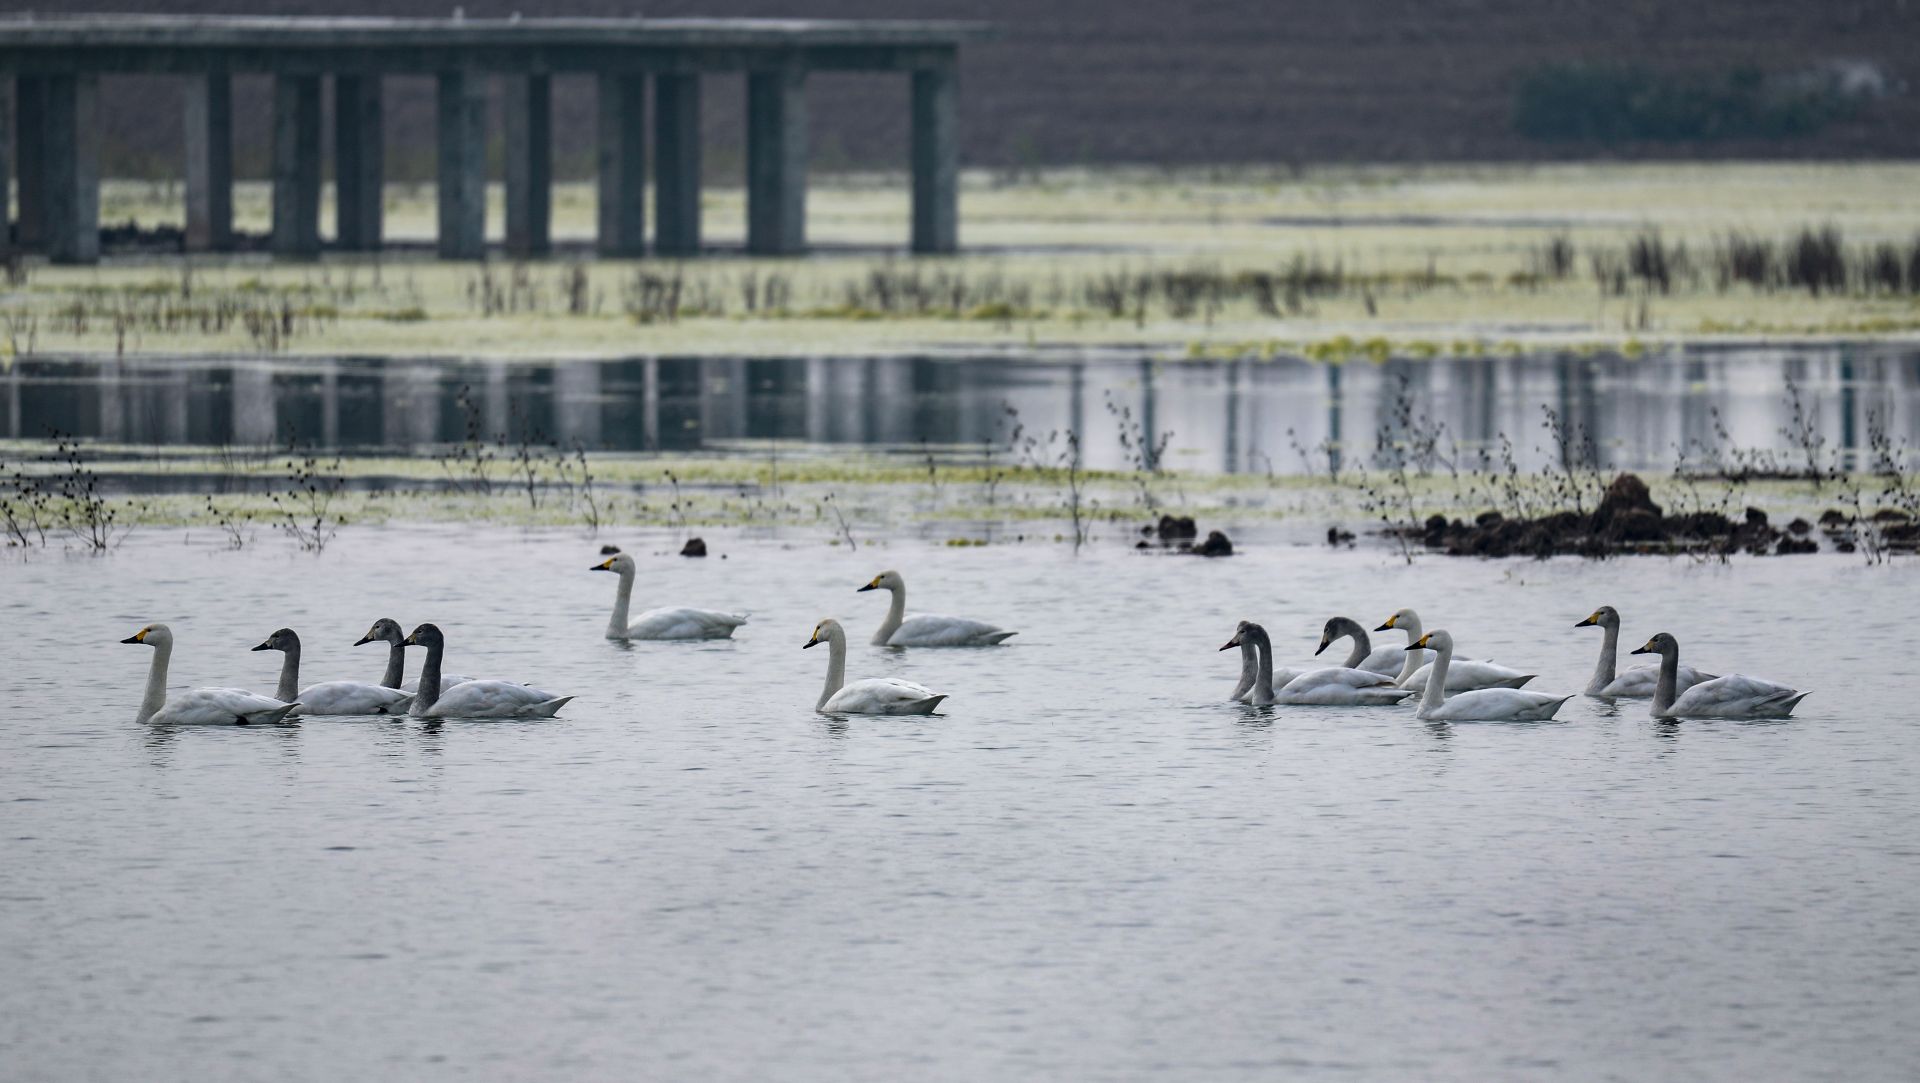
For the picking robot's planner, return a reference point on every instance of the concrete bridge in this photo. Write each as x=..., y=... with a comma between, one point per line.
x=52, y=66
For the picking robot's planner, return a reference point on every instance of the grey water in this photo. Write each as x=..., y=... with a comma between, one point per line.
x=1278, y=416
x=1090, y=868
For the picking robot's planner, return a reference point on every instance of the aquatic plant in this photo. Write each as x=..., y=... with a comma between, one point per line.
x=304, y=510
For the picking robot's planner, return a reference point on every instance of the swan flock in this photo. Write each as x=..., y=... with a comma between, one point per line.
x=1425, y=671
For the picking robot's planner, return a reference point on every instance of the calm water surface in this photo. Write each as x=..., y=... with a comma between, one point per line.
x=1282, y=416
x=1090, y=869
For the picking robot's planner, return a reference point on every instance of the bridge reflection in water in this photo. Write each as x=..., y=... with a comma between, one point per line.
x=1233, y=416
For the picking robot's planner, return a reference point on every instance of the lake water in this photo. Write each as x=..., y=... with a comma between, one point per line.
x=1090, y=868
x=1274, y=416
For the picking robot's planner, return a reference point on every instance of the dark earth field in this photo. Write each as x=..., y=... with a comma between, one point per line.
x=1217, y=81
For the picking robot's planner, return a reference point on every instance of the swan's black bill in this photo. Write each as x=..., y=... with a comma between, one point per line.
x=810, y=643
x=267, y=646
x=1231, y=643
x=1648, y=649
x=363, y=639
x=1324, y=644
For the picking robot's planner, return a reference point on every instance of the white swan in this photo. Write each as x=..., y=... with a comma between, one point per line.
x=1635, y=683
x=1480, y=704
x=330, y=697
x=474, y=699
x=873, y=695
x=1332, y=686
x=386, y=631
x=197, y=706
x=1387, y=660
x=1732, y=696
x=926, y=629
x=670, y=622
x=1464, y=676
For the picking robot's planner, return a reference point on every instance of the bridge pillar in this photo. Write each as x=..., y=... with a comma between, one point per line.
x=30, y=153
x=777, y=161
x=296, y=166
x=209, y=138
x=359, y=162
x=623, y=164
x=462, y=177
x=676, y=170
x=529, y=123
x=936, y=159
x=72, y=144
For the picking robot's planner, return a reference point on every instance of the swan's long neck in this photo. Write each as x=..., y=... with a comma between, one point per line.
x=617, y=626
x=429, y=692
x=1249, y=667
x=1436, y=692
x=836, y=668
x=396, y=666
x=1263, y=681
x=1414, y=632
x=156, y=696
x=896, y=613
x=1362, y=645
x=289, y=675
x=1603, y=673
x=1665, y=691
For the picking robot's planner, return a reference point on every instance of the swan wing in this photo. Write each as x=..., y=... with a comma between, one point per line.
x=352, y=698
x=1466, y=676
x=1736, y=696
x=684, y=622
x=883, y=695
x=1335, y=677
x=220, y=707
x=447, y=680
x=495, y=699
x=1496, y=705
x=1387, y=660
x=933, y=630
x=1640, y=682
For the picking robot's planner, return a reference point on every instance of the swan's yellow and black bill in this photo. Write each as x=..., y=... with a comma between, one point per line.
x=1648, y=649
x=875, y=585
x=604, y=566
x=812, y=641
x=138, y=637
x=1422, y=641
x=1593, y=619
x=1389, y=623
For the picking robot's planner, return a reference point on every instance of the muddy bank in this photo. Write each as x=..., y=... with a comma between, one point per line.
x=1629, y=521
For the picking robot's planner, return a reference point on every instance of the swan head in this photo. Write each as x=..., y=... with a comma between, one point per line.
x=282, y=640
x=427, y=635
x=384, y=630
x=1437, y=640
x=1336, y=628
x=888, y=580
x=1245, y=632
x=1661, y=644
x=153, y=635
x=1606, y=617
x=618, y=563
x=823, y=632
x=1405, y=618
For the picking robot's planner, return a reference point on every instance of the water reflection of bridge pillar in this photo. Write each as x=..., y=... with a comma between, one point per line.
x=1230, y=458
x=498, y=399
x=650, y=403
x=330, y=403
x=1336, y=419
x=576, y=403
x=723, y=398
x=255, y=413
x=110, y=414
x=1148, y=415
